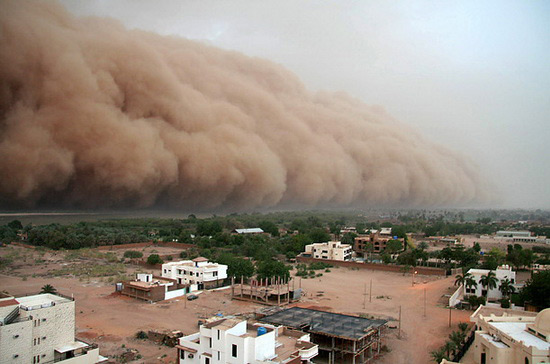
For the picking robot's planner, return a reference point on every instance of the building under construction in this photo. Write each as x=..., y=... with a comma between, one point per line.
x=341, y=338
x=265, y=291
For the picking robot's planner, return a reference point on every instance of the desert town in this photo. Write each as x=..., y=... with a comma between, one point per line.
x=341, y=303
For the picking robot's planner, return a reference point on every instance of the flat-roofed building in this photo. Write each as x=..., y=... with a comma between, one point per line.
x=198, y=273
x=233, y=340
x=151, y=288
x=41, y=329
x=501, y=273
x=511, y=337
x=332, y=250
x=512, y=234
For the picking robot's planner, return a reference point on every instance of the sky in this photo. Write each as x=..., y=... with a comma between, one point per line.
x=473, y=76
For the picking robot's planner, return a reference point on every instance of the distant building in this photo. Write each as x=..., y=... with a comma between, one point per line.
x=377, y=240
x=151, y=288
x=512, y=234
x=198, y=273
x=333, y=250
x=233, y=340
x=503, y=272
x=41, y=329
x=511, y=337
x=249, y=231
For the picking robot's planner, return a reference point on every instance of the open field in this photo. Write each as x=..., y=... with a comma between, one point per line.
x=112, y=320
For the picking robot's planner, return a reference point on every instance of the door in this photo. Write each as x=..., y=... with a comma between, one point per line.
x=483, y=358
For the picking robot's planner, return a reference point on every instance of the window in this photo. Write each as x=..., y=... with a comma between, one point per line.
x=15, y=336
x=234, y=350
x=219, y=354
x=215, y=274
x=210, y=342
x=526, y=361
x=206, y=360
x=182, y=354
x=218, y=334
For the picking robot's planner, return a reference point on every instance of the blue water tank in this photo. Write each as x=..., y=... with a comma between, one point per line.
x=261, y=331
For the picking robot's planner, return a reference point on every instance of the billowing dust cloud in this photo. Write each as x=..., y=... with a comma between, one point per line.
x=95, y=115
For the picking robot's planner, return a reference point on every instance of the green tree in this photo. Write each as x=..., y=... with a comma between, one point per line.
x=438, y=355
x=488, y=281
x=470, y=283
x=537, y=290
x=349, y=238
x=463, y=326
x=132, y=254
x=319, y=235
x=154, y=259
x=462, y=278
x=449, y=347
x=48, y=288
x=272, y=269
x=423, y=245
x=457, y=337
x=506, y=287
x=269, y=227
x=394, y=246
x=15, y=225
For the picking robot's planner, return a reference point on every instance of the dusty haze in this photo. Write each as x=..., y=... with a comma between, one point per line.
x=95, y=115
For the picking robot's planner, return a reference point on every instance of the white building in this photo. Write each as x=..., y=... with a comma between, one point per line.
x=512, y=234
x=503, y=272
x=234, y=341
x=41, y=329
x=199, y=273
x=511, y=337
x=333, y=250
x=248, y=231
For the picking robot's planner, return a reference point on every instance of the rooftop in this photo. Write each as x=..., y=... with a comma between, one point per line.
x=249, y=231
x=516, y=330
x=42, y=300
x=328, y=323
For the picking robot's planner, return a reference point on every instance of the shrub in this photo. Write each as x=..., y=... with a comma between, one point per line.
x=154, y=259
x=132, y=254
x=505, y=303
x=142, y=335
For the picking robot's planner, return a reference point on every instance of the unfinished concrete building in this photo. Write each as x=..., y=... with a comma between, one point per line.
x=265, y=291
x=341, y=338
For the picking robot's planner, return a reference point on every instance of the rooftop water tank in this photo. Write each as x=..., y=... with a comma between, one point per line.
x=261, y=331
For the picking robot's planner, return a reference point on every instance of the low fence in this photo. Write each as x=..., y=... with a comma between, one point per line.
x=170, y=244
x=428, y=271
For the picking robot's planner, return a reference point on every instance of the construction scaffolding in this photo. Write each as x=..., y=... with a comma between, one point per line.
x=341, y=338
x=269, y=291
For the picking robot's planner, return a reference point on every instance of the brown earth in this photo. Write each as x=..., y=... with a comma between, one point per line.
x=112, y=320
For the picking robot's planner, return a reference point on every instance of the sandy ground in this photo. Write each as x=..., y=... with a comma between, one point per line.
x=112, y=320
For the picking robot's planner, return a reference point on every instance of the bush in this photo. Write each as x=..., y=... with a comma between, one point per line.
x=141, y=335
x=132, y=254
x=505, y=303
x=154, y=259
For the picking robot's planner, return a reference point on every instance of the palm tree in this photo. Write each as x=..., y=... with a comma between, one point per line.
x=457, y=337
x=506, y=287
x=463, y=326
x=438, y=355
x=470, y=282
x=449, y=347
x=48, y=288
x=461, y=278
x=489, y=281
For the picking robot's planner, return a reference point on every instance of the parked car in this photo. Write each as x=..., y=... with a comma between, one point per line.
x=192, y=297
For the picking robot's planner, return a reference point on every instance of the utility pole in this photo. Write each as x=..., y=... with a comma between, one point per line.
x=424, y=301
x=365, y=297
x=450, y=310
x=370, y=291
x=399, y=332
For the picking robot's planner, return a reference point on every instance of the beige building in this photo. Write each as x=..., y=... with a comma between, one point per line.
x=41, y=329
x=333, y=250
x=511, y=337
